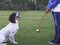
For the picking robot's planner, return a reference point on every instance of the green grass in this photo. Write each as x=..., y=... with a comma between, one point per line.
x=28, y=24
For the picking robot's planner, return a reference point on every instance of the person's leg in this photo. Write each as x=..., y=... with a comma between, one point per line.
x=55, y=23
x=58, y=24
x=56, y=17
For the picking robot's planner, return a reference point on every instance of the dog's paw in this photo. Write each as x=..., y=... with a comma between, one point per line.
x=15, y=42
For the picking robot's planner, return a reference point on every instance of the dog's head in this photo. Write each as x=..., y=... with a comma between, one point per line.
x=13, y=17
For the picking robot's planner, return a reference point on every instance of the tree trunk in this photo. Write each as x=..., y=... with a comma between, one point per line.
x=35, y=2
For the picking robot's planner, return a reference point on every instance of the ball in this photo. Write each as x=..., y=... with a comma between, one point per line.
x=37, y=30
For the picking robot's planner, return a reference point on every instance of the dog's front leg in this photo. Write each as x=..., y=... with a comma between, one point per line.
x=11, y=38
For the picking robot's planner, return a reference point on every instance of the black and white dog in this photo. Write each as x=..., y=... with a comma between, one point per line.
x=10, y=30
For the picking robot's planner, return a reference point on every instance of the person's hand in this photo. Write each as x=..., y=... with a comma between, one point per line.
x=47, y=11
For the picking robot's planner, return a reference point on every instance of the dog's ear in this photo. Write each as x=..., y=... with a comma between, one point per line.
x=12, y=17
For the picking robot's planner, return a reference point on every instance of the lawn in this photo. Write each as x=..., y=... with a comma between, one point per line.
x=28, y=23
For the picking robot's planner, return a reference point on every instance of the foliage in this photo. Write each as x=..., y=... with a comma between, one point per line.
x=23, y=4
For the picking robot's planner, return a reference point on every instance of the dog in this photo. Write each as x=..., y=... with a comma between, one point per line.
x=9, y=31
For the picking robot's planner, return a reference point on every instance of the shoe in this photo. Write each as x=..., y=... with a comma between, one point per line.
x=53, y=42
x=50, y=43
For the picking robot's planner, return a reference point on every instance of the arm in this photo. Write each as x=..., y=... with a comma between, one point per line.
x=49, y=3
x=53, y=4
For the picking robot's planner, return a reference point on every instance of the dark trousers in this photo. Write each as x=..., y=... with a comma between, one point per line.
x=56, y=17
